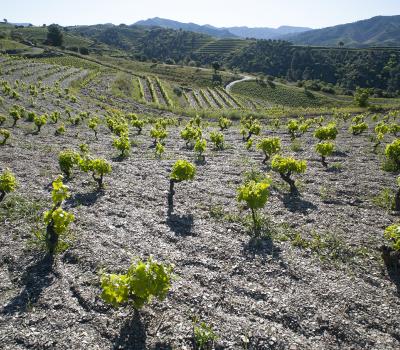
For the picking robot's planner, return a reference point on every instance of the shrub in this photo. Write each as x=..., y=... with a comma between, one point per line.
x=142, y=282
x=16, y=114
x=55, y=116
x=358, y=129
x=60, y=130
x=159, y=132
x=297, y=127
x=328, y=132
x=40, y=121
x=269, y=146
x=392, y=153
x=93, y=125
x=293, y=127
x=99, y=168
x=8, y=183
x=394, y=128
x=249, y=144
x=5, y=135
x=122, y=144
x=181, y=171
x=200, y=147
x=286, y=166
x=137, y=123
x=255, y=194
x=204, y=336
x=67, y=160
x=381, y=129
x=324, y=149
x=190, y=134
x=160, y=149
x=2, y=119
x=31, y=116
x=57, y=219
x=361, y=97
x=54, y=35
x=217, y=139
x=392, y=233
x=250, y=126
x=224, y=123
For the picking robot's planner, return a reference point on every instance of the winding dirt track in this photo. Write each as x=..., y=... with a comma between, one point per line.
x=229, y=87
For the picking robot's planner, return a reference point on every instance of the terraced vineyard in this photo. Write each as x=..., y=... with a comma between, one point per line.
x=279, y=94
x=304, y=264
x=223, y=46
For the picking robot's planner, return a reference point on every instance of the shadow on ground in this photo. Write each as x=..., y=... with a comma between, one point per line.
x=392, y=264
x=132, y=335
x=85, y=199
x=296, y=204
x=181, y=225
x=35, y=279
x=262, y=246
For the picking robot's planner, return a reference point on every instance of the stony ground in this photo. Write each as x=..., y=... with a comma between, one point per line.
x=273, y=293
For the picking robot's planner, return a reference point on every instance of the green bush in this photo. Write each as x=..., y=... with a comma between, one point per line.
x=93, y=124
x=99, y=168
x=190, y=134
x=55, y=116
x=286, y=166
x=200, y=147
x=67, y=160
x=255, y=194
x=8, y=183
x=392, y=153
x=325, y=149
x=249, y=126
x=358, y=129
x=224, y=123
x=269, y=146
x=142, y=282
x=217, y=138
x=122, y=144
x=56, y=219
x=325, y=133
x=181, y=171
x=159, y=132
x=204, y=335
x=159, y=149
x=392, y=233
x=5, y=135
x=60, y=130
x=40, y=121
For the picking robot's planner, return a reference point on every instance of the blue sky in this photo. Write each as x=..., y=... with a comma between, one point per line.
x=268, y=13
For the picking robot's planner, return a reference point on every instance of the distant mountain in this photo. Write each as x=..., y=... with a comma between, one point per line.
x=376, y=31
x=22, y=24
x=265, y=33
x=191, y=27
x=230, y=32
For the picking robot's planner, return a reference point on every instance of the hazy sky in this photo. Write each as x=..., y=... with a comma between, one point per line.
x=266, y=13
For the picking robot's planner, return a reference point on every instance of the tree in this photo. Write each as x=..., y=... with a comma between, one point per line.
x=54, y=35
x=341, y=43
x=361, y=97
x=5, y=20
x=216, y=66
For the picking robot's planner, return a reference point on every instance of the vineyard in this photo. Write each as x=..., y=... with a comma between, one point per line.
x=130, y=222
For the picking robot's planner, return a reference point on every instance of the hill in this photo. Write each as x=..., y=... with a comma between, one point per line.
x=266, y=33
x=228, y=32
x=376, y=31
x=191, y=27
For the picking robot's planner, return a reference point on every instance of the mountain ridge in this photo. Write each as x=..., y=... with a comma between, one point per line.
x=375, y=31
x=224, y=32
